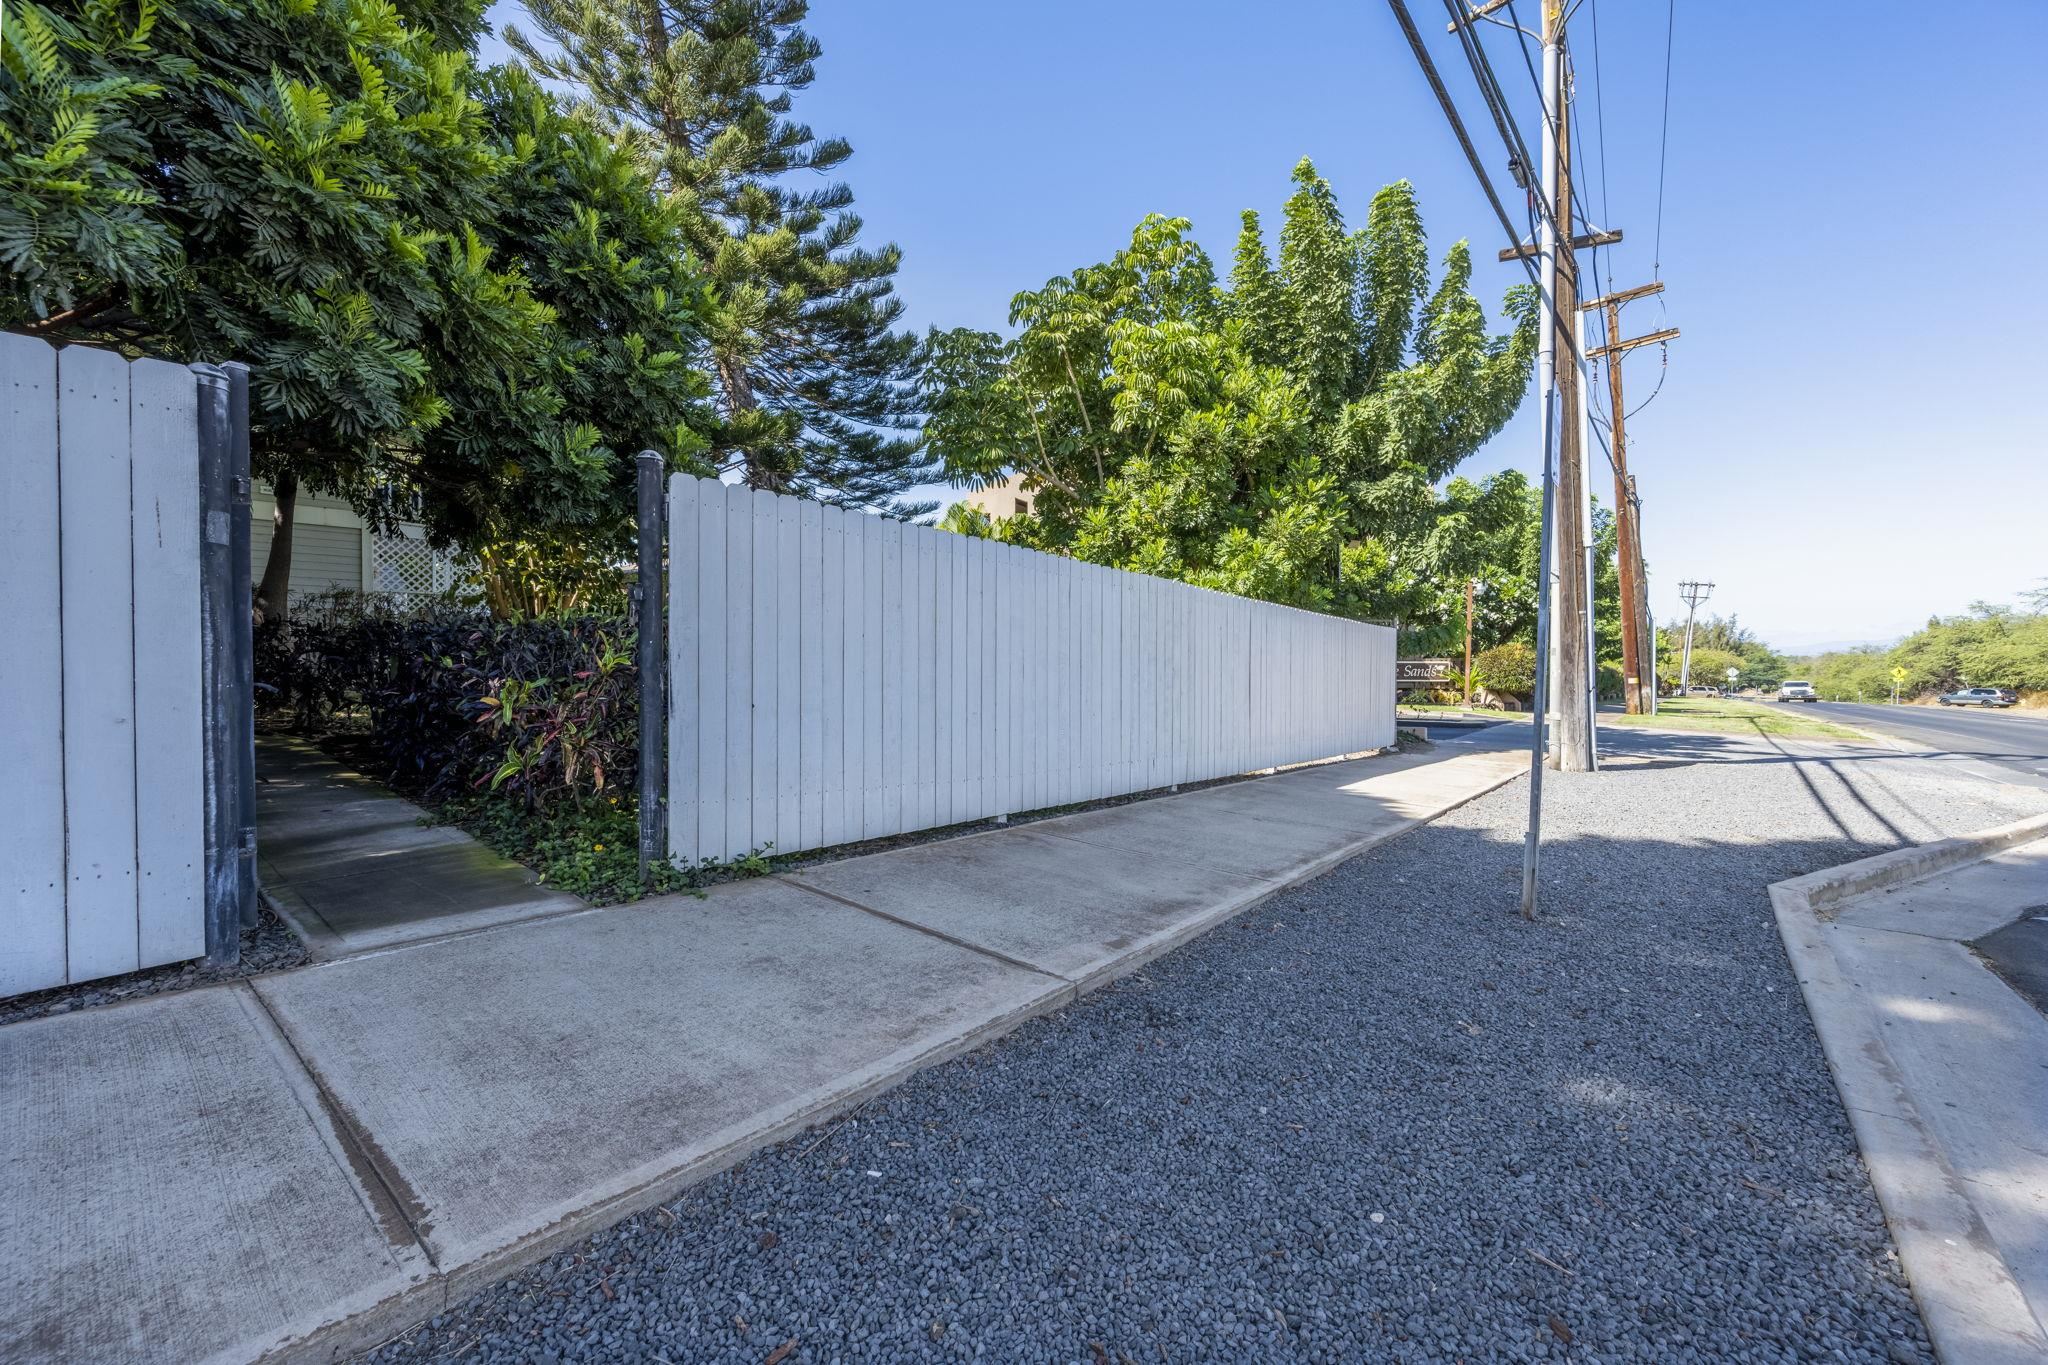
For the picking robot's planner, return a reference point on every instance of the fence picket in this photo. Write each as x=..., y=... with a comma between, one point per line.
x=99, y=662
x=32, y=681
x=170, y=750
x=685, y=599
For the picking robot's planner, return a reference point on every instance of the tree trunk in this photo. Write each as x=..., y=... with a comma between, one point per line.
x=739, y=398
x=273, y=594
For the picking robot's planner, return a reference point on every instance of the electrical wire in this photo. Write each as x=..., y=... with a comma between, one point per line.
x=1600, y=126
x=1564, y=335
x=1522, y=36
x=1663, y=369
x=1443, y=99
x=1664, y=140
x=1496, y=104
x=1490, y=91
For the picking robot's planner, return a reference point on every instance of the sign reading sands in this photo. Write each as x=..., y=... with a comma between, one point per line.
x=1421, y=672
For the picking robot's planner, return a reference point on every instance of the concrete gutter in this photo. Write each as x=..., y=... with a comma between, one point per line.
x=1873, y=990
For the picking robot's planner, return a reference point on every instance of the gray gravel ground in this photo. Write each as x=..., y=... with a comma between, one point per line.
x=1376, y=1118
x=269, y=947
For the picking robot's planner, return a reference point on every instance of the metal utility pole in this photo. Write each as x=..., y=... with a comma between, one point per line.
x=1555, y=328
x=1635, y=647
x=1582, y=388
x=1646, y=623
x=1546, y=387
x=1694, y=594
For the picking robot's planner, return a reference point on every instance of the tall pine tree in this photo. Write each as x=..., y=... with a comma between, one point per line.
x=815, y=390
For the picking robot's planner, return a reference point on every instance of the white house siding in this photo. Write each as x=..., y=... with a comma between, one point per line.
x=328, y=543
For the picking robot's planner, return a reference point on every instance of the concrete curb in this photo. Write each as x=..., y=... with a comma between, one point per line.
x=645, y=1189
x=1830, y=886
x=1973, y=1308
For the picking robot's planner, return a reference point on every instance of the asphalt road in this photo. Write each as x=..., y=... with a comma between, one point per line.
x=2014, y=740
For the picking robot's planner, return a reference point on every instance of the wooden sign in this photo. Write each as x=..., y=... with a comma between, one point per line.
x=1422, y=673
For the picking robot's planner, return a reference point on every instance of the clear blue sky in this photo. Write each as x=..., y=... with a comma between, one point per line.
x=1845, y=442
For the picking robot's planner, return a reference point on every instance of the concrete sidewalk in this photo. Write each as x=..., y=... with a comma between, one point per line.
x=307, y=1162
x=353, y=867
x=1943, y=1068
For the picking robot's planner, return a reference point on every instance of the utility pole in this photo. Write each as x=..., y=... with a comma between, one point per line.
x=1635, y=646
x=1468, y=641
x=1572, y=746
x=1646, y=621
x=1546, y=389
x=1564, y=525
x=1694, y=594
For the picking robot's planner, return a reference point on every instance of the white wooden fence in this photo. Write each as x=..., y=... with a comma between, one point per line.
x=835, y=676
x=102, y=839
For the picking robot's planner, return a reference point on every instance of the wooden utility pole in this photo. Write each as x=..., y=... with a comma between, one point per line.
x=1468, y=641
x=1572, y=746
x=1637, y=648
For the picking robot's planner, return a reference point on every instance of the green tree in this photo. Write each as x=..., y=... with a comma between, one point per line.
x=1850, y=674
x=1709, y=665
x=815, y=390
x=456, y=304
x=1282, y=438
x=965, y=520
x=1506, y=670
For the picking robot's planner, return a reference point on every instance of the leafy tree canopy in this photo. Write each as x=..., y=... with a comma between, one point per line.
x=1282, y=437
x=457, y=304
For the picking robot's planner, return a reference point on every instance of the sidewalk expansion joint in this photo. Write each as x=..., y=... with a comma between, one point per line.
x=926, y=930
x=380, y=1181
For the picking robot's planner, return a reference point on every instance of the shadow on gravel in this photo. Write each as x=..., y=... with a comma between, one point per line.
x=1378, y=1117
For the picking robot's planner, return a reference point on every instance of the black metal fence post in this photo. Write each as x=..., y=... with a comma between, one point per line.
x=651, y=609
x=241, y=631
x=225, y=652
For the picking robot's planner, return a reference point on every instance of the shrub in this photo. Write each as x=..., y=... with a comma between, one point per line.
x=326, y=656
x=1508, y=669
x=459, y=704
x=538, y=710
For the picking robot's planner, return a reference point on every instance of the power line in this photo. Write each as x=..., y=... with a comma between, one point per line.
x=1664, y=140
x=1663, y=368
x=1443, y=99
x=1600, y=124
x=1522, y=36
x=1496, y=104
x=1450, y=109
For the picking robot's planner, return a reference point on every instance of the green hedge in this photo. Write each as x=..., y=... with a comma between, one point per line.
x=459, y=704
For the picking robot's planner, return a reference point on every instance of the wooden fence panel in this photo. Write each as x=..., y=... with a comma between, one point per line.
x=839, y=677
x=103, y=674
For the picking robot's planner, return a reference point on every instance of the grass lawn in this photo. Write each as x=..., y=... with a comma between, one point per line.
x=1729, y=717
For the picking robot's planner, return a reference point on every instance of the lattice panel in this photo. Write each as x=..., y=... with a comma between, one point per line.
x=409, y=570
